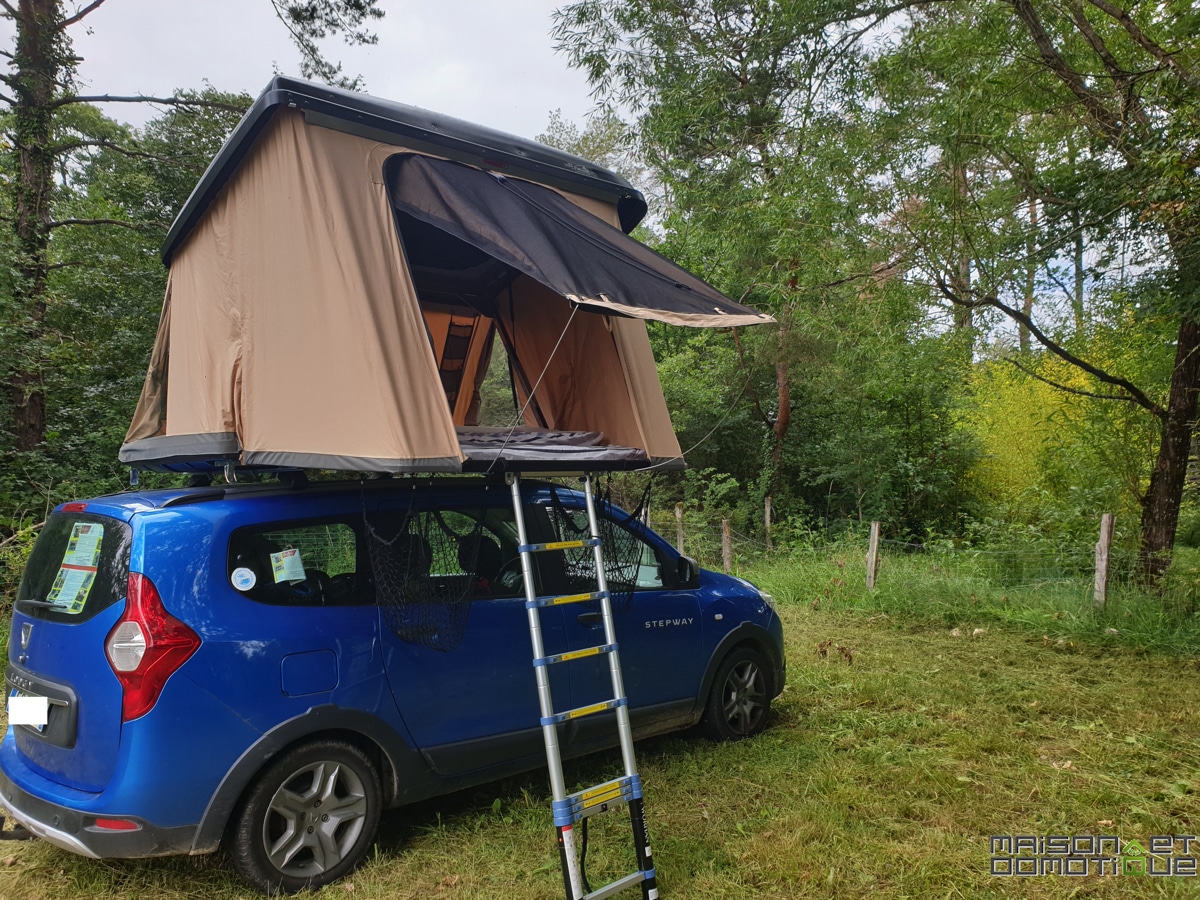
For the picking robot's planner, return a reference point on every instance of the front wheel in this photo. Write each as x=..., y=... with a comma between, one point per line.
x=308, y=820
x=739, y=702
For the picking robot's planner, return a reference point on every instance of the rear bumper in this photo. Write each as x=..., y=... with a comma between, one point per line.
x=76, y=831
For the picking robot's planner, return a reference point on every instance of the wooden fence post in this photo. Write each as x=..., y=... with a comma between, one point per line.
x=679, y=527
x=873, y=556
x=1100, y=593
x=767, y=520
x=727, y=546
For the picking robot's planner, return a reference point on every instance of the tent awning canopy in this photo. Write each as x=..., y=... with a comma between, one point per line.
x=538, y=232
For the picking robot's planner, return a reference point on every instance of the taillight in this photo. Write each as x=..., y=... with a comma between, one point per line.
x=145, y=647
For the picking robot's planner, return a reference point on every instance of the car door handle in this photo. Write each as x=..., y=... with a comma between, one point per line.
x=590, y=619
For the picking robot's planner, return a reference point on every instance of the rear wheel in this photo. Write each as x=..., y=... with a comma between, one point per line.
x=740, y=700
x=308, y=820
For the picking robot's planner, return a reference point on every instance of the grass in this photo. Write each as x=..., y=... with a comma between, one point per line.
x=1049, y=594
x=894, y=756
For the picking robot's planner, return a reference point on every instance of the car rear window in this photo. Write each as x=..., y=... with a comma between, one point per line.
x=80, y=565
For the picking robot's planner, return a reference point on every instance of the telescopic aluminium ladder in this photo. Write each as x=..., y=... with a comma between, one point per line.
x=570, y=809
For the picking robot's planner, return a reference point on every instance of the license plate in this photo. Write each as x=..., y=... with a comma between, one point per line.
x=28, y=709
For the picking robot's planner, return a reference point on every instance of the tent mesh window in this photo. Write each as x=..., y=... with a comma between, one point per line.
x=622, y=550
x=426, y=572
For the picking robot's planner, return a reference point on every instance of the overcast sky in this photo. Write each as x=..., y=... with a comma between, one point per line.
x=484, y=61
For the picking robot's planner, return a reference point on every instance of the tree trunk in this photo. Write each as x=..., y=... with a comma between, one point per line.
x=961, y=279
x=783, y=418
x=1160, y=506
x=1030, y=276
x=40, y=66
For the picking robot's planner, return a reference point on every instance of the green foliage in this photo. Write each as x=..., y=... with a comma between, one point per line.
x=105, y=293
x=915, y=193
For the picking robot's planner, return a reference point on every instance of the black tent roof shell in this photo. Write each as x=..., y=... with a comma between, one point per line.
x=411, y=127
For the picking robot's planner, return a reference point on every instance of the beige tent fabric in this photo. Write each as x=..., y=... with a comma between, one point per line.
x=587, y=385
x=293, y=333
x=294, y=320
x=150, y=416
x=645, y=389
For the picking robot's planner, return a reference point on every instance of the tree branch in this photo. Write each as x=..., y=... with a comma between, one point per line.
x=67, y=146
x=1136, y=395
x=81, y=13
x=140, y=98
x=1139, y=36
x=20, y=531
x=1096, y=42
x=1054, y=61
x=60, y=223
x=8, y=8
x=1124, y=398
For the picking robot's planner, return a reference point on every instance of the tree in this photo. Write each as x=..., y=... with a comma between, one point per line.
x=735, y=120
x=758, y=129
x=41, y=92
x=1028, y=129
x=1024, y=148
x=104, y=288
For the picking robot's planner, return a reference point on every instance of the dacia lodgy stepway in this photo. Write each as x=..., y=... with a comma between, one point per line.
x=269, y=667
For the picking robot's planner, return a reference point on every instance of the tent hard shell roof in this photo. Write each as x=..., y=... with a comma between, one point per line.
x=414, y=128
x=340, y=277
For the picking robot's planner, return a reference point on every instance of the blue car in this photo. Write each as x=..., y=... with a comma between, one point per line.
x=270, y=666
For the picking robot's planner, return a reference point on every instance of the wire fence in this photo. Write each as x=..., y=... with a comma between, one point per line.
x=1032, y=563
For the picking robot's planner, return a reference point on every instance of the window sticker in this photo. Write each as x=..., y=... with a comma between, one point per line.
x=242, y=578
x=287, y=566
x=77, y=573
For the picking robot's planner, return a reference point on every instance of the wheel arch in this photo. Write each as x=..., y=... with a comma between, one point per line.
x=745, y=635
x=403, y=773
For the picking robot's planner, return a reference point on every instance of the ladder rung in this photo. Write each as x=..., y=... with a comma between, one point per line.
x=565, y=599
x=558, y=545
x=583, y=711
x=574, y=654
x=619, y=885
x=596, y=799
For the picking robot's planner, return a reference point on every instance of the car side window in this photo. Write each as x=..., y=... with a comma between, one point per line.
x=463, y=553
x=485, y=548
x=310, y=564
x=630, y=563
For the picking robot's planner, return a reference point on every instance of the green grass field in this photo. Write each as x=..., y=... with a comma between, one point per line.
x=892, y=760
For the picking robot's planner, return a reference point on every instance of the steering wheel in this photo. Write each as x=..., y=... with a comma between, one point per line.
x=511, y=578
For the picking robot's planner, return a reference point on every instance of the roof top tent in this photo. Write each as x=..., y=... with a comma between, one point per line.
x=338, y=276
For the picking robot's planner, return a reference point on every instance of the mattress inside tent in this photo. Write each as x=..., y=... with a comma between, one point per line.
x=523, y=447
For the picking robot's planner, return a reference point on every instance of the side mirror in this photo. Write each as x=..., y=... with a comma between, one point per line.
x=687, y=573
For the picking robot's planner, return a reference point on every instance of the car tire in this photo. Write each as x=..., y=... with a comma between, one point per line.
x=739, y=702
x=308, y=819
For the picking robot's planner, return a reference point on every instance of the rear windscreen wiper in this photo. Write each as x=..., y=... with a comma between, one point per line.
x=40, y=604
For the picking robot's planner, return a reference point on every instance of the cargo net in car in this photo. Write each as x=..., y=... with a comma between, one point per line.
x=424, y=563
x=621, y=549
